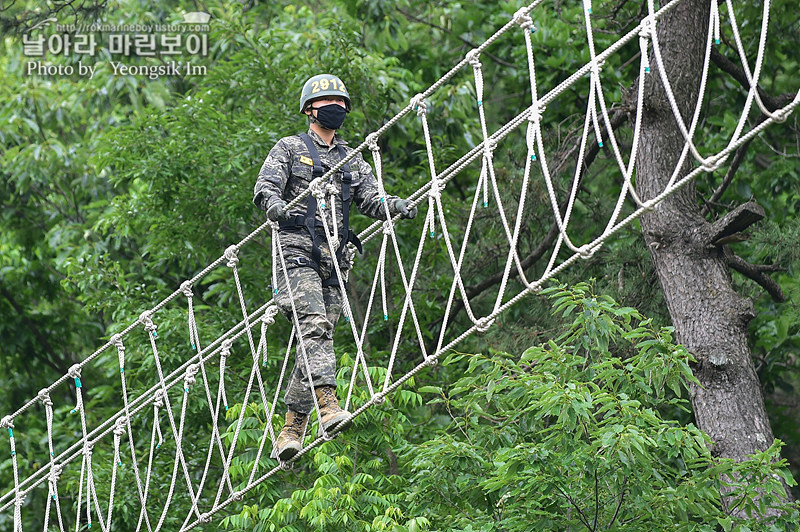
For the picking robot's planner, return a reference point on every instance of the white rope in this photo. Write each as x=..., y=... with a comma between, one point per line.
x=121, y=423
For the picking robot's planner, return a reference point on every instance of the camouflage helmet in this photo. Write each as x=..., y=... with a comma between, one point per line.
x=323, y=85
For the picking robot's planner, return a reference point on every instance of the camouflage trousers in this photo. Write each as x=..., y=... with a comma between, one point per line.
x=318, y=309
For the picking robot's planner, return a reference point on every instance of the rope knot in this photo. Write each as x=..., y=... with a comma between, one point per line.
x=230, y=256
x=483, y=324
x=158, y=399
x=269, y=315
x=596, y=66
x=331, y=189
x=7, y=423
x=44, y=397
x=489, y=146
x=387, y=227
x=75, y=371
x=120, y=426
x=586, y=252
x=473, y=56
x=116, y=341
x=146, y=320
x=186, y=288
x=522, y=18
x=646, y=30
x=418, y=104
x=88, y=449
x=191, y=375
x=55, y=473
x=318, y=191
x=205, y=518
x=436, y=189
x=372, y=142
x=226, y=349
x=238, y=496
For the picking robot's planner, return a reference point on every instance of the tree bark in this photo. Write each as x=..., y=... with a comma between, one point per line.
x=710, y=318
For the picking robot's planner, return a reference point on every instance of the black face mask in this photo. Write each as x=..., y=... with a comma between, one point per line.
x=331, y=116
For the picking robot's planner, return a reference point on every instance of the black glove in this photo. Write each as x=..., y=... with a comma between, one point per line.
x=278, y=212
x=404, y=208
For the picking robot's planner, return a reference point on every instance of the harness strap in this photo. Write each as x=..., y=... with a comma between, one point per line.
x=309, y=221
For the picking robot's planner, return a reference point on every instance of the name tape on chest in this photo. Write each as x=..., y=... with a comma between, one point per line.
x=306, y=160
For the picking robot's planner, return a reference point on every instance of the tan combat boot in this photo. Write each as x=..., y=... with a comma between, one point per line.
x=290, y=440
x=330, y=413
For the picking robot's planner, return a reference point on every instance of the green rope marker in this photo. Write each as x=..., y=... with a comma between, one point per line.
x=533, y=30
x=382, y=200
x=155, y=334
x=600, y=143
x=226, y=408
x=158, y=446
x=480, y=102
x=122, y=370
x=10, y=433
x=194, y=347
x=533, y=157
x=433, y=233
x=385, y=317
x=186, y=390
x=716, y=41
x=646, y=69
x=119, y=463
x=77, y=382
x=589, y=10
x=485, y=204
x=322, y=205
x=13, y=453
x=276, y=291
x=347, y=319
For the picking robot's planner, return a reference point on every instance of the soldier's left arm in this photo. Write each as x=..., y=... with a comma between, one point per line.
x=366, y=194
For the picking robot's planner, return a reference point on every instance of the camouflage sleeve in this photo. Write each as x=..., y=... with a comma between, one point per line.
x=273, y=176
x=366, y=194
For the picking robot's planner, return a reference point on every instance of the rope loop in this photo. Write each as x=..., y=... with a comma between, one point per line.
x=484, y=324
x=191, y=375
x=226, y=349
x=522, y=18
x=418, y=104
x=646, y=29
x=158, y=399
x=269, y=315
x=238, y=496
x=379, y=399
x=116, y=341
x=44, y=397
x=145, y=318
x=7, y=423
x=230, y=256
x=75, y=371
x=586, y=252
x=120, y=426
x=473, y=56
x=372, y=142
x=431, y=362
x=205, y=518
x=55, y=473
x=186, y=289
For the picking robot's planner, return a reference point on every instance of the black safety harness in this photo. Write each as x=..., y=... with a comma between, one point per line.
x=308, y=221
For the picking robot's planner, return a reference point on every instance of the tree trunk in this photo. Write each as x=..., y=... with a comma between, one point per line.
x=710, y=318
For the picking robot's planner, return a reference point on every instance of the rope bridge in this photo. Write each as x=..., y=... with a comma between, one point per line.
x=173, y=391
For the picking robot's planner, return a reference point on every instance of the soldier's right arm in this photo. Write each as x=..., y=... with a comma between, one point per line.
x=273, y=176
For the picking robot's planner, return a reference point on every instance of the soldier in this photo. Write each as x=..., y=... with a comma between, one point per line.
x=286, y=173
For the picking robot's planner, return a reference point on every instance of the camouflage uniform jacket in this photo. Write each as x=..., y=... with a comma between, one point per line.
x=286, y=173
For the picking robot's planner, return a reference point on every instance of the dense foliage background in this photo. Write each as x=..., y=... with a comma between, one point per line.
x=570, y=413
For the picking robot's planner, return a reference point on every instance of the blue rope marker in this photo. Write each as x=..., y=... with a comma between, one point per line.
x=600, y=144
x=385, y=317
x=10, y=433
x=155, y=334
x=77, y=382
